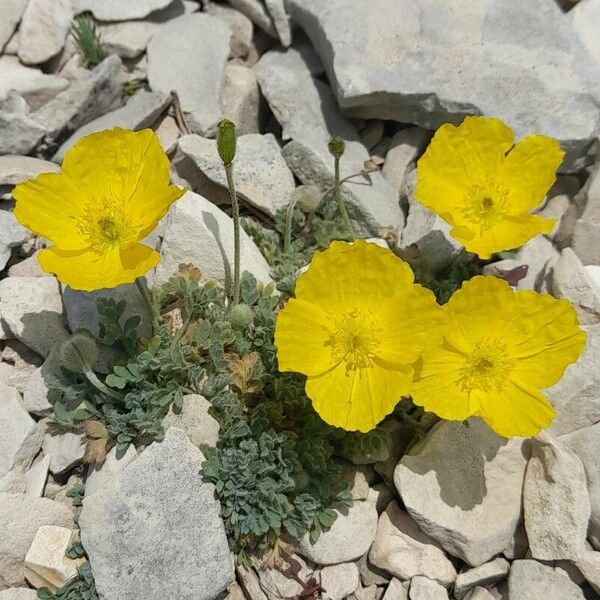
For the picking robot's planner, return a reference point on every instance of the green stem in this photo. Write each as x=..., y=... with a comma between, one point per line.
x=147, y=297
x=101, y=387
x=236, y=234
x=337, y=191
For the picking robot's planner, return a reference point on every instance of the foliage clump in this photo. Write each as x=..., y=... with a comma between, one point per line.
x=87, y=38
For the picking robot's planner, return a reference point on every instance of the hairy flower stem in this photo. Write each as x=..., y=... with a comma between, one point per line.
x=101, y=387
x=337, y=192
x=236, y=234
x=147, y=297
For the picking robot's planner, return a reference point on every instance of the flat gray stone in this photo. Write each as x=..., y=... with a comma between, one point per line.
x=106, y=475
x=462, y=485
x=140, y=112
x=484, y=575
x=256, y=11
x=12, y=234
x=16, y=169
x=199, y=233
x=18, y=594
x=198, y=44
x=281, y=20
x=156, y=532
x=309, y=115
x=65, y=450
x=241, y=100
x=18, y=364
x=38, y=399
x=12, y=11
x=241, y=28
x=585, y=239
x=194, y=418
x=339, y=581
x=422, y=588
x=19, y=133
x=429, y=62
x=116, y=10
x=530, y=579
x=585, y=16
x=261, y=175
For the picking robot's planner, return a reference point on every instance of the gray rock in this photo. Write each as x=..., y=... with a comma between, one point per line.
x=32, y=311
x=589, y=566
x=396, y=591
x=18, y=364
x=422, y=588
x=405, y=146
x=257, y=13
x=240, y=99
x=168, y=133
x=36, y=476
x=44, y=28
x=370, y=574
x=20, y=518
x=156, y=532
x=439, y=63
x=484, y=575
x=480, y=593
x=308, y=113
x=20, y=438
x=585, y=15
x=195, y=420
x=18, y=594
x=28, y=267
x=586, y=230
x=585, y=443
x=281, y=20
x=37, y=397
x=16, y=169
x=519, y=544
x=576, y=397
x=529, y=579
x=339, y=581
x=277, y=585
x=250, y=583
x=115, y=10
x=569, y=279
x=19, y=133
x=91, y=95
x=403, y=550
x=108, y=475
x=240, y=25
x=348, y=539
x=561, y=205
x=262, y=177
x=12, y=234
x=462, y=485
x=33, y=85
x=199, y=44
x=199, y=233
x=139, y=113
x=12, y=11
x=65, y=451
x=556, y=502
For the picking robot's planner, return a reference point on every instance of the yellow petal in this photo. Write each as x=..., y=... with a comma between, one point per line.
x=457, y=159
x=509, y=233
x=50, y=205
x=518, y=410
x=409, y=323
x=89, y=271
x=301, y=335
x=130, y=167
x=546, y=338
x=529, y=171
x=357, y=400
x=347, y=276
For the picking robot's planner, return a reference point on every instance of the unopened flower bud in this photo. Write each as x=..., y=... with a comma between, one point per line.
x=226, y=142
x=308, y=197
x=241, y=316
x=337, y=147
x=79, y=353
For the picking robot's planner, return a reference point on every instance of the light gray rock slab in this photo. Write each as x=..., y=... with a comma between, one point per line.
x=422, y=588
x=530, y=579
x=462, y=485
x=106, y=475
x=18, y=364
x=199, y=233
x=195, y=420
x=241, y=99
x=156, y=532
x=16, y=169
x=115, y=10
x=281, y=20
x=585, y=238
x=35, y=86
x=261, y=175
x=12, y=234
x=480, y=593
x=241, y=28
x=349, y=538
x=589, y=566
x=485, y=575
x=585, y=17
x=140, y=112
x=18, y=594
x=569, y=279
x=404, y=149
x=38, y=398
x=196, y=43
x=426, y=62
x=12, y=11
x=256, y=11
x=32, y=311
x=20, y=518
x=396, y=591
x=404, y=551
x=339, y=581
x=65, y=451
x=19, y=133
x=43, y=30
x=36, y=476
x=309, y=115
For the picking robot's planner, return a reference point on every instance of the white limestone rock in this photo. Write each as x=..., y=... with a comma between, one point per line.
x=21, y=516
x=281, y=20
x=65, y=451
x=422, y=588
x=262, y=177
x=197, y=43
x=32, y=311
x=309, y=115
x=349, y=538
x=431, y=62
x=585, y=239
x=485, y=575
x=16, y=169
x=139, y=546
x=530, y=579
x=195, y=420
x=396, y=590
x=404, y=551
x=241, y=99
x=18, y=364
x=18, y=594
x=12, y=11
x=339, y=581
x=12, y=234
x=106, y=475
x=585, y=17
x=462, y=485
x=241, y=28
x=256, y=11
x=116, y=10
x=199, y=233
x=405, y=146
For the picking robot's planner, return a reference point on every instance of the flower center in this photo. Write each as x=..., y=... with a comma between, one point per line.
x=105, y=225
x=355, y=340
x=485, y=205
x=487, y=367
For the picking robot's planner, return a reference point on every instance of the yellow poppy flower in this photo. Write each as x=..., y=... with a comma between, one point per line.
x=499, y=349
x=112, y=191
x=356, y=327
x=477, y=179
